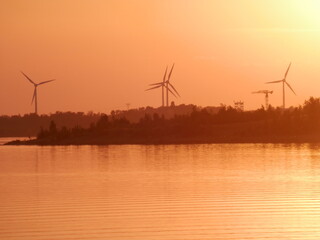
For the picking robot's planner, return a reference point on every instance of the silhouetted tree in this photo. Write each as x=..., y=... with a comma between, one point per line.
x=53, y=128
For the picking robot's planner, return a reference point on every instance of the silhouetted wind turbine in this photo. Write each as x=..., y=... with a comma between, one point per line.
x=35, y=96
x=266, y=92
x=160, y=84
x=168, y=85
x=284, y=81
x=165, y=84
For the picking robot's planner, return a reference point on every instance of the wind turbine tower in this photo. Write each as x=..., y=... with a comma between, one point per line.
x=35, y=94
x=160, y=84
x=284, y=82
x=168, y=85
x=266, y=92
x=165, y=84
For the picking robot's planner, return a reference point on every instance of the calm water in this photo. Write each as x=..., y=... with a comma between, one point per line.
x=219, y=191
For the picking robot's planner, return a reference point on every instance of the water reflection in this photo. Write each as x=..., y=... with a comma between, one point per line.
x=210, y=191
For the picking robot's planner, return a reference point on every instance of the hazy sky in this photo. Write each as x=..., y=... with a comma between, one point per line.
x=105, y=53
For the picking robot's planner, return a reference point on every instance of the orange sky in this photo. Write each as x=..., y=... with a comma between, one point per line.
x=104, y=53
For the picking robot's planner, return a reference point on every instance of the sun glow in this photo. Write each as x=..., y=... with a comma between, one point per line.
x=308, y=14
x=127, y=45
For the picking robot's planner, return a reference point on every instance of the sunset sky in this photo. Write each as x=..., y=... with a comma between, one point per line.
x=105, y=53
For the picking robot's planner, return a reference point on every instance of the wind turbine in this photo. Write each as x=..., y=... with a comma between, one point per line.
x=35, y=96
x=160, y=84
x=165, y=84
x=284, y=81
x=266, y=92
x=168, y=85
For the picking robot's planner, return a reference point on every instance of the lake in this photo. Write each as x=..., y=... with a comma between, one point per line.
x=196, y=192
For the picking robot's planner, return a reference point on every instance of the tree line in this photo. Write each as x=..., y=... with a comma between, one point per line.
x=227, y=125
x=30, y=124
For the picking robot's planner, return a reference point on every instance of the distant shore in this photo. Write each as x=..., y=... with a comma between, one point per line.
x=165, y=141
x=228, y=125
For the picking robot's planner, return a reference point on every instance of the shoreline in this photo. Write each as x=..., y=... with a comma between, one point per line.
x=174, y=141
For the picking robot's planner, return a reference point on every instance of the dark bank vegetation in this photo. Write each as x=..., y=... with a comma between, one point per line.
x=298, y=124
x=31, y=124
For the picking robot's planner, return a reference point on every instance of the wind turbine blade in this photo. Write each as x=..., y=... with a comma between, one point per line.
x=174, y=89
x=170, y=73
x=171, y=92
x=256, y=92
x=46, y=82
x=28, y=78
x=153, y=88
x=34, y=95
x=275, y=81
x=287, y=71
x=290, y=88
x=158, y=83
x=165, y=74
